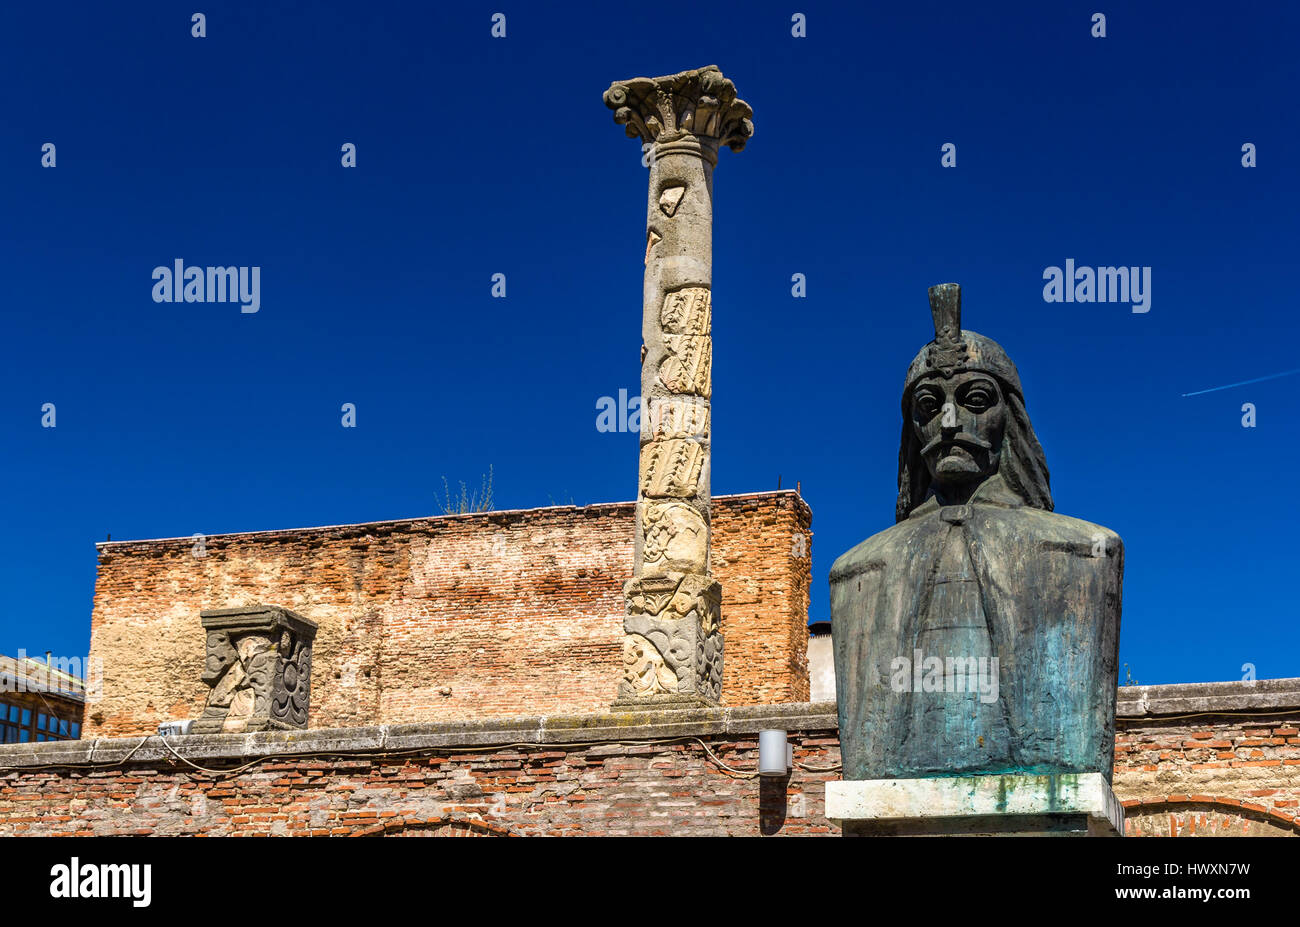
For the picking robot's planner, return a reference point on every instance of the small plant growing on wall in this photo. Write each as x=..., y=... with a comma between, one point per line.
x=466, y=501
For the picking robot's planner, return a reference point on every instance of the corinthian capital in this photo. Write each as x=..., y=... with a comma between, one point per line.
x=701, y=102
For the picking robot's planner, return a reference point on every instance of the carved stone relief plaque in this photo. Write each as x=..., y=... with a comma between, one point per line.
x=676, y=538
x=644, y=669
x=679, y=616
x=689, y=362
x=676, y=417
x=687, y=311
x=258, y=668
x=671, y=469
x=669, y=200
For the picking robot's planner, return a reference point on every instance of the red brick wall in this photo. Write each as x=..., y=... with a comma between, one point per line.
x=1209, y=776
x=609, y=788
x=470, y=616
x=646, y=789
x=650, y=790
x=598, y=784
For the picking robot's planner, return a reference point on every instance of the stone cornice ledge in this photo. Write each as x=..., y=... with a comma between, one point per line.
x=1260, y=695
x=557, y=730
x=1134, y=703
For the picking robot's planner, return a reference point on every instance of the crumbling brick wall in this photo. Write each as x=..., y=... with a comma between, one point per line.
x=458, y=617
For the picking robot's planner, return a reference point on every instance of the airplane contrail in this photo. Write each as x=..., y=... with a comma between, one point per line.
x=1271, y=376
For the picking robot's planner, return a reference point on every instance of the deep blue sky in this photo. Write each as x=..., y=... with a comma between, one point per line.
x=479, y=155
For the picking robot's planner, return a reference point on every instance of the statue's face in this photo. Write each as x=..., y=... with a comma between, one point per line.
x=959, y=422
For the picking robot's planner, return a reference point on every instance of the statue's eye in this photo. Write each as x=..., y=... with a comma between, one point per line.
x=979, y=399
x=928, y=404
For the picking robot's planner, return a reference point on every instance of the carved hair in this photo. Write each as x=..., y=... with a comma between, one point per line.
x=1021, y=462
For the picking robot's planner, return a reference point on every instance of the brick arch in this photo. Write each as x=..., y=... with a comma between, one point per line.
x=1206, y=816
x=446, y=825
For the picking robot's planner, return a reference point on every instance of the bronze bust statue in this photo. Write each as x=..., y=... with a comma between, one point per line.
x=979, y=634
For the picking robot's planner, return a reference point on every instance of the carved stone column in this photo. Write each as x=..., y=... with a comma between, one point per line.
x=672, y=646
x=258, y=665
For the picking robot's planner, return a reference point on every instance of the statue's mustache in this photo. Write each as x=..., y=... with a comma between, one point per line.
x=970, y=442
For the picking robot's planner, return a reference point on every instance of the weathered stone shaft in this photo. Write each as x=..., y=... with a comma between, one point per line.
x=673, y=637
x=676, y=371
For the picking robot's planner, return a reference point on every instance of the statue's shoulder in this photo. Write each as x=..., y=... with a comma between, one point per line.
x=1055, y=528
x=876, y=551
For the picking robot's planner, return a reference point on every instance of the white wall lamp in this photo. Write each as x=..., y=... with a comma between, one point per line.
x=775, y=755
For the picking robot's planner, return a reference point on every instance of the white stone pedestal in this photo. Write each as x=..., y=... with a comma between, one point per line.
x=1077, y=804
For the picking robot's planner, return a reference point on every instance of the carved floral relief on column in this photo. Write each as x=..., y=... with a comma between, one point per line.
x=671, y=468
x=679, y=617
x=675, y=537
